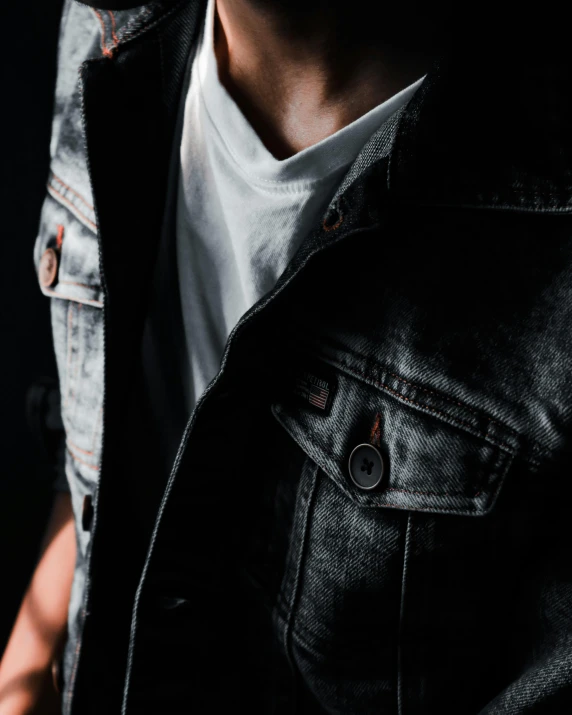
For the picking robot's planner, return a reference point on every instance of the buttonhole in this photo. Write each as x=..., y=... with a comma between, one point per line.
x=59, y=236
x=333, y=218
x=375, y=434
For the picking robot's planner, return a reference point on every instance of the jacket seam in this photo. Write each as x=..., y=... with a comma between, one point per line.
x=70, y=326
x=406, y=558
x=123, y=41
x=74, y=299
x=82, y=461
x=368, y=378
x=445, y=416
x=114, y=37
x=79, y=285
x=289, y=626
x=58, y=196
x=79, y=449
x=73, y=191
x=368, y=375
x=105, y=51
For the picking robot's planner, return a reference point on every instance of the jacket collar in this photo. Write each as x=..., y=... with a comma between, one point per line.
x=489, y=134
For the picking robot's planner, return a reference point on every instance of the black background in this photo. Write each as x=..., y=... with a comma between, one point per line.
x=29, y=44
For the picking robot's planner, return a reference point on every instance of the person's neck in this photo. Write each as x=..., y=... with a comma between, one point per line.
x=299, y=81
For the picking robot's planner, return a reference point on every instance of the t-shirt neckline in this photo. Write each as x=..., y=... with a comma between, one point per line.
x=313, y=164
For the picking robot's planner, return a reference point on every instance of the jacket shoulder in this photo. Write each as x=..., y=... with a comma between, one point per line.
x=85, y=34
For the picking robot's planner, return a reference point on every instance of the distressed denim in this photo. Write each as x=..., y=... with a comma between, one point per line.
x=434, y=301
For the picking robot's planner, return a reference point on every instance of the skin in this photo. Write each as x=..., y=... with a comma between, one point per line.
x=300, y=70
x=26, y=682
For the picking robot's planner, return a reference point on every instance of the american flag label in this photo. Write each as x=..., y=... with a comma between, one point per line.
x=316, y=391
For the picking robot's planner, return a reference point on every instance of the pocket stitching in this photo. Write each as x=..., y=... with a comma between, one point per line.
x=72, y=299
x=444, y=416
x=70, y=204
x=336, y=458
x=380, y=368
x=496, y=470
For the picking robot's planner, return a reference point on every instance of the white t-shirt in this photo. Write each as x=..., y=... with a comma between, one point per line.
x=241, y=213
x=238, y=216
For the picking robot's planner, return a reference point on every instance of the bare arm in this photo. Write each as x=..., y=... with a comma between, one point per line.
x=39, y=631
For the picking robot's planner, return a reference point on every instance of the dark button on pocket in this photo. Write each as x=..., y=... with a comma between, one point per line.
x=366, y=466
x=87, y=512
x=48, y=268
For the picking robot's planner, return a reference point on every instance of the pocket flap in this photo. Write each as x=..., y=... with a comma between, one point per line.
x=439, y=455
x=74, y=249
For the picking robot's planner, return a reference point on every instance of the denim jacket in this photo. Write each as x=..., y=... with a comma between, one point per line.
x=428, y=316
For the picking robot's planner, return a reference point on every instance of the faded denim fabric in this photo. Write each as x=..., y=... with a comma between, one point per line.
x=435, y=303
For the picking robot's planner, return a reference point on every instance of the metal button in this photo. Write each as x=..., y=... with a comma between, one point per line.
x=48, y=270
x=366, y=466
x=87, y=512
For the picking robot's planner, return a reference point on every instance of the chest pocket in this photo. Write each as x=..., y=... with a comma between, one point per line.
x=340, y=604
x=438, y=455
x=67, y=263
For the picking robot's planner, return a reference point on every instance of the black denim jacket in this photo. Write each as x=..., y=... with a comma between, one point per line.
x=428, y=316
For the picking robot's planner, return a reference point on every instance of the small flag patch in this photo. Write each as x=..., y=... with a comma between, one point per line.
x=315, y=389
